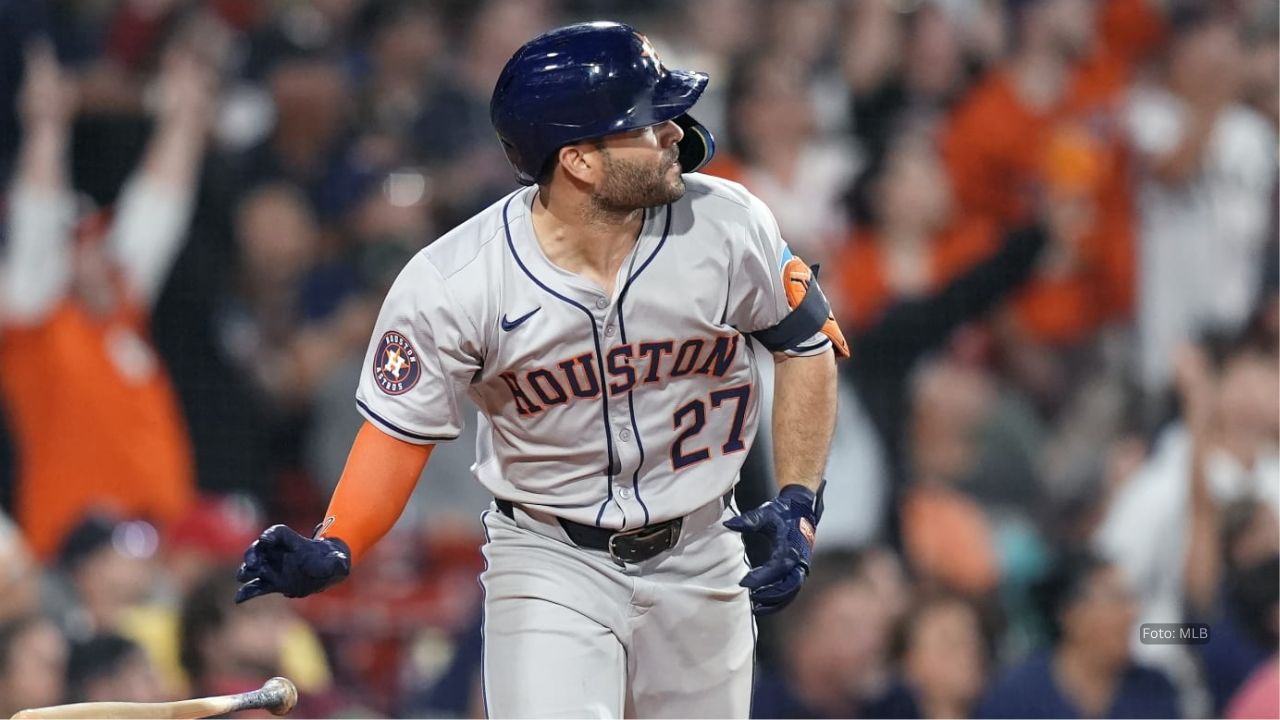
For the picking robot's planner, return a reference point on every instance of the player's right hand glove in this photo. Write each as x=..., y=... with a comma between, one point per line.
x=791, y=519
x=283, y=561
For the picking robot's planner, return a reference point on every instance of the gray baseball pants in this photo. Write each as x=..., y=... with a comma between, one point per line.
x=571, y=633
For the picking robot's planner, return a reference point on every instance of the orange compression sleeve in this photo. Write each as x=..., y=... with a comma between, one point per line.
x=380, y=475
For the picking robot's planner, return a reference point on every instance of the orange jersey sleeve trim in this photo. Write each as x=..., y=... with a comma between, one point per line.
x=379, y=477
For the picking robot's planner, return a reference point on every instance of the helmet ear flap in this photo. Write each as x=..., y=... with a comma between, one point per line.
x=517, y=162
x=697, y=147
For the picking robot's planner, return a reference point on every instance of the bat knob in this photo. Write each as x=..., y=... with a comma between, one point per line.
x=287, y=693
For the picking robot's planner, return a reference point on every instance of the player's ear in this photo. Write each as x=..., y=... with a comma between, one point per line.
x=582, y=162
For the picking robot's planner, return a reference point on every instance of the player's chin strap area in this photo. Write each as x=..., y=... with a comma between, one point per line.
x=803, y=322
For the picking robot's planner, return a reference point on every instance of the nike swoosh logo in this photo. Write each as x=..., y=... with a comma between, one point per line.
x=509, y=325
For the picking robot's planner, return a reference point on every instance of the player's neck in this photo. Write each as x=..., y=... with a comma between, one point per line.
x=585, y=240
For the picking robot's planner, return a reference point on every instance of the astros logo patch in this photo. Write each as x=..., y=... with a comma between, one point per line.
x=395, y=365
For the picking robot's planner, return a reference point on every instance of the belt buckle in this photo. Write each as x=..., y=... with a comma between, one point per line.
x=621, y=535
x=670, y=528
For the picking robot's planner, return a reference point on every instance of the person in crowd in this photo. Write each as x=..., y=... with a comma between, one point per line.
x=709, y=35
x=834, y=647
x=947, y=537
x=915, y=272
x=806, y=33
x=1208, y=177
x=870, y=58
x=1087, y=671
x=227, y=648
x=94, y=416
x=1041, y=127
x=106, y=567
x=458, y=688
x=1233, y=585
x=206, y=540
x=1222, y=449
x=907, y=240
x=109, y=668
x=33, y=661
x=778, y=154
x=910, y=328
x=911, y=278
x=452, y=136
x=943, y=657
x=1261, y=84
x=406, y=52
x=803, y=30
x=883, y=569
x=308, y=144
x=924, y=70
x=1232, y=530
x=22, y=579
x=278, y=237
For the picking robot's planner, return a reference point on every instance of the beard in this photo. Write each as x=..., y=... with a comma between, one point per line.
x=632, y=186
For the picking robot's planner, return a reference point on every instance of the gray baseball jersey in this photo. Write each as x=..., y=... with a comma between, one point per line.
x=611, y=411
x=615, y=411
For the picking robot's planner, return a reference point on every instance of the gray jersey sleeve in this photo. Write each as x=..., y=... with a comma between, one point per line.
x=757, y=298
x=422, y=357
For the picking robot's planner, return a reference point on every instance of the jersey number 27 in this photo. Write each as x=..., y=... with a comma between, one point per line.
x=694, y=413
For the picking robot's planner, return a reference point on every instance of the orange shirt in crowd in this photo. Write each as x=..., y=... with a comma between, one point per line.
x=947, y=537
x=726, y=166
x=95, y=420
x=862, y=279
x=1001, y=155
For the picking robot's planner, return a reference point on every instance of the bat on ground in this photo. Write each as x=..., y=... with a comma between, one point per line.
x=278, y=696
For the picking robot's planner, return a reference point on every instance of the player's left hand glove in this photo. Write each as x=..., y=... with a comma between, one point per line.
x=283, y=561
x=791, y=519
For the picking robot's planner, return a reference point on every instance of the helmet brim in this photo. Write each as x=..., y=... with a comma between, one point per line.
x=676, y=92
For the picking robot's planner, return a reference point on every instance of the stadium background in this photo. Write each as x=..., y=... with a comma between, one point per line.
x=1042, y=443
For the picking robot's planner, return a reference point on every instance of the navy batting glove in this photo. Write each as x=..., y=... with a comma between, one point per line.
x=283, y=561
x=791, y=519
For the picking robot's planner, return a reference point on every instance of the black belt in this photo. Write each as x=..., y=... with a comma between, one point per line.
x=632, y=546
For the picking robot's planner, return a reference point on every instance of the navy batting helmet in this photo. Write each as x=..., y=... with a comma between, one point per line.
x=589, y=80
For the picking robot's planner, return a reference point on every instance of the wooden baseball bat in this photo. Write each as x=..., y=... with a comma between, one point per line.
x=278, y=696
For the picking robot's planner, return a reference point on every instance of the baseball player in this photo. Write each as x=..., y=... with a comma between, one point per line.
x=599, y=319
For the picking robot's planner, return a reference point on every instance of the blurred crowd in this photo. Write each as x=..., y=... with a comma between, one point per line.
x=1048, y=227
